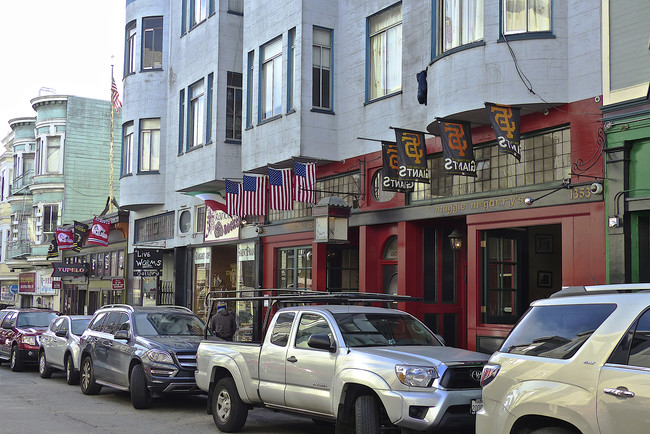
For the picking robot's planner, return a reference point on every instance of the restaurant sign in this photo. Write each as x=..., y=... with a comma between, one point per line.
x=69, y=270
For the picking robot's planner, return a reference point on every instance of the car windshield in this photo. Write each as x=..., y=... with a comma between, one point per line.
x=168, y=324
x=35, y=319
x=79, y=325
x=378, y=330
x=556, y=332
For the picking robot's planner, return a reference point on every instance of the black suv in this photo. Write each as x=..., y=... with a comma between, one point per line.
x=147, y=351
x=20, y=333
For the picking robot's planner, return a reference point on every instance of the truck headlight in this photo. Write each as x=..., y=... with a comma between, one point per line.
x=417, y=376
x=29, y=340
x=157, y=356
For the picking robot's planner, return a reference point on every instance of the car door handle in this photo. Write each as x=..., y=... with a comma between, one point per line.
x=621, y=392
x=292, y=359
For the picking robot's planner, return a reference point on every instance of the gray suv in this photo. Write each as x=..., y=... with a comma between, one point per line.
x=146, y=351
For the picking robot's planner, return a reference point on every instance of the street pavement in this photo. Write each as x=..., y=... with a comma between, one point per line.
x=30, y=404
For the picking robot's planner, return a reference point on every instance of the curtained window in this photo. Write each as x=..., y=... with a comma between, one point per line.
x=385, y=46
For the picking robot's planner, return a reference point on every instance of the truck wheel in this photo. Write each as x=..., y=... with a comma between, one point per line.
x=140, y=396
x=71, y=377
x=228, y=410
x=43, y=370
x=367, y=415
x=16, y=361
x=88, y=384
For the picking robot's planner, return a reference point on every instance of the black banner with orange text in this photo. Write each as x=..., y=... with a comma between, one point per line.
x=506, y=123
x=457, y=148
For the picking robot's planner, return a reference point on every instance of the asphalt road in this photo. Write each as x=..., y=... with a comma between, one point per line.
x=31, y=404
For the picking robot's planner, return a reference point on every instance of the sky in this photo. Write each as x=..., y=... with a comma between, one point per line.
x=65, y=45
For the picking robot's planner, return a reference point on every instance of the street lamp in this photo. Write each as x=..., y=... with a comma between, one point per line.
x=456, y=239
x=331, y=215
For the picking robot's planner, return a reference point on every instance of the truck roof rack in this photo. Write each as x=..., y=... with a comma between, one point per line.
x=617, y=288
x=125, y=306
x=282, y=296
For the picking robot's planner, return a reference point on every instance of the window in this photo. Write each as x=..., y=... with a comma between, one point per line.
x=208, y=109
x=185, y=222
x=282, y=328
x=311, y=324
x=50, y=218
x=149, y=145
x=321, y=69
x=199, y=224
x=199, y=11
x=181, y=120
x=461, y=22
x=385, y=52
x=294, y=268
x=556, y=332
x=249, y=90
x=233, y=106
x=129, y=51
x=127, y=148
x=154, y=228
x=196, y=124
x=48, y=154
x=152, y=28
x=633, y=349
x=522, y=16
x=342, y=268
x=291, y=70
x=271, y=87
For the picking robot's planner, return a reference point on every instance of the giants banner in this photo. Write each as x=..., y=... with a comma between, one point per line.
x=411, y=156
x=99, y=232
x=390, y=180
x=457, y=148
x=506, y=125
x=64, y=238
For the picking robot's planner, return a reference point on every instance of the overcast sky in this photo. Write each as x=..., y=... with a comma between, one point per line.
x=65, y=45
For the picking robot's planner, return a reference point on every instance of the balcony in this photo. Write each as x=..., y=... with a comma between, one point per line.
x=22, y=182
x=19, y=249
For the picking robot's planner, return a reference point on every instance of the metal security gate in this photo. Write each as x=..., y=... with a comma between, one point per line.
x=165, y=293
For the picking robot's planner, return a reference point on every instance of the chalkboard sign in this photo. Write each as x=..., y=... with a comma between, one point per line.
x=147, y=262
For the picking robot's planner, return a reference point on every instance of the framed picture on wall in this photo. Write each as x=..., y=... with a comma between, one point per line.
x=543, y=243
x=544, y=279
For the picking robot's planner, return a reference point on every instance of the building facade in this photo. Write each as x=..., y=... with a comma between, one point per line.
x=60, y=174
x=327, y=82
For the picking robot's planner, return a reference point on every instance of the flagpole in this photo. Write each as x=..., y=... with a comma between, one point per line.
x=110, y=182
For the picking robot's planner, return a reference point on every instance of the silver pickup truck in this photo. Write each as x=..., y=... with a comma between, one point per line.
x=361, y=368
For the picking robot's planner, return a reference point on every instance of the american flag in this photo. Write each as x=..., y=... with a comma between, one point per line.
x=253, y=201
x=233, y=198
x=115, y=96
x=280, y=188
x=305, y=175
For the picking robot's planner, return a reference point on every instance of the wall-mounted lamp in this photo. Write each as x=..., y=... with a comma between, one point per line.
x=614, y=222
x=456, y=240
x=331, y=215
x=566, y=183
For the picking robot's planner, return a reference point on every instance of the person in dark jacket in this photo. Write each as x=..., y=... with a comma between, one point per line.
x=223, y=323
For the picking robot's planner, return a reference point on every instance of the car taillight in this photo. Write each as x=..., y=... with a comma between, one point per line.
x=489, y=373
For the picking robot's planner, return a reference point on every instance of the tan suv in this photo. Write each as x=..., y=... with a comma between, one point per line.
x=578, y=362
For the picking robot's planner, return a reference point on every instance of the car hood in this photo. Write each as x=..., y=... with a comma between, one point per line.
x=31, y=330
x=424, y=355
x=173, y=343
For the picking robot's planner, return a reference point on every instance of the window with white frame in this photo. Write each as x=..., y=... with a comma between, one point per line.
x=385, y=52
x=48, y=154
x=233, y=106
x=149, y=145
x=129, y=52
x=461, y=23
x=523, y=16
x=197, y=114
x=127, y=148
x=321, y=69
x=46, y=220
x=15, y=226
x=199, y=224
x=271, y=87
x=152, y=29
x=3, y=175
x=249, y=89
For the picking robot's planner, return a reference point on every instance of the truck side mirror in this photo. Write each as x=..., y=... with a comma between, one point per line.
x=321, y=342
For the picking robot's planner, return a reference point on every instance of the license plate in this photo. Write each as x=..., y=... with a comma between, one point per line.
x=477, y=405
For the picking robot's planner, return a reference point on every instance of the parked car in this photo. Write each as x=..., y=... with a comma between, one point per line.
x=146, y=351
x=574, y=364
x=365, y=369
x=60, y=347
x=20, y=332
